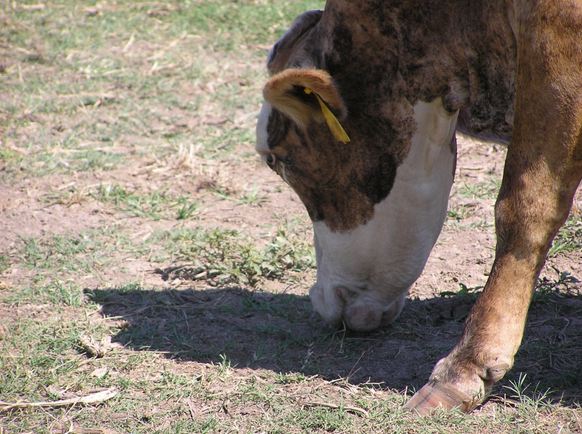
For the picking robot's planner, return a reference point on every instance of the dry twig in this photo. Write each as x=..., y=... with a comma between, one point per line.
x=93, y=398
x=355, y=410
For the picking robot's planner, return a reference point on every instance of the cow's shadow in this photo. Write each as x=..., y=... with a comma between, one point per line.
x=280, y=332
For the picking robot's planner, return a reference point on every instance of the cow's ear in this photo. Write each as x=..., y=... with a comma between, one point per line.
x=282, y=50
x=305, y=95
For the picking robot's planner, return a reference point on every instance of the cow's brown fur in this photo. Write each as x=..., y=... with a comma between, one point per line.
x=514, y=70
x=383, y=58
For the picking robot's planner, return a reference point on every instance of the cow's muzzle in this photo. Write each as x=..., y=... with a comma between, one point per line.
x=358, y=310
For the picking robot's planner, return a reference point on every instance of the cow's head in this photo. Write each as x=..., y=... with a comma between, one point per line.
x=377, y=205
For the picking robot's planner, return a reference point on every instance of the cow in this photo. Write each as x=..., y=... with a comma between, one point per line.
x=359, y=117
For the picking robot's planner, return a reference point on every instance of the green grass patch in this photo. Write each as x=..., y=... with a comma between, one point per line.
x=61, y=262
x=562, y=282
x=480, y=190
x=569, y=238
x=37, y=354
x=464, y=291
x=56, y=292
x=60, y=253
x=53, y=158
x=227, y=257
x=8, y=155
x=253, y=197
x=320, y=419
x=88, y=68
x=459, y=213
x=155, y=205
x=238, y=23
x=4, y=263
x=83, y=160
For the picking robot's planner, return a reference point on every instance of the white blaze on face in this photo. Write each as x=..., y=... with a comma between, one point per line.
x=262, y=145
x=363, y=275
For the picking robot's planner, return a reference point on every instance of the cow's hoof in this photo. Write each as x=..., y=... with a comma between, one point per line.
x=434, y=395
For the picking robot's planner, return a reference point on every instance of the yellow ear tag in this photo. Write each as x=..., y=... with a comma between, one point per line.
x=332, y=122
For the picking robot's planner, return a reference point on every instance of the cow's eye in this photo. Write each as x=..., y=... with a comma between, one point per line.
x=271, y=160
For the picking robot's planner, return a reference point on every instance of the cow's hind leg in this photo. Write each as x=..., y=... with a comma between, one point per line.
x=542, y=172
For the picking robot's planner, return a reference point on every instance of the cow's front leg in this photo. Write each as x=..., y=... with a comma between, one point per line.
x=526, y=224
x=531, y=208
x=542, y=172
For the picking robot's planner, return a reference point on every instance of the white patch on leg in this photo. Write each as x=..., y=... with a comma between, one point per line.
x=376, y=263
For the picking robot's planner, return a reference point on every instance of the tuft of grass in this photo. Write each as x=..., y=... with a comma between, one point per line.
x=8, y=155
x=186, y=209
x=55, y=159
x=58, y=252
x=227, y=257
x=458, y=213
x=154, y=205
x=252, y=197
x=236, y=24
x=563, y=282
x=532, y=403
x=57, y=264
x=320, y=419
x=464, y=290
x=291, y=378
x=4, y=263
x=224, y=365
x=480, y=190
x=37, y=354
x=57, y=293
x=569, y=238
x=81, y=252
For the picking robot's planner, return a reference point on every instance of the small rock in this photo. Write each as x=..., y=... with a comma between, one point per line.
x=100, y=372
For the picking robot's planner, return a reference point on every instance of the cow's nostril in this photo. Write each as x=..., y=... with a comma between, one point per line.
x=363, y=317
x=344, y=294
